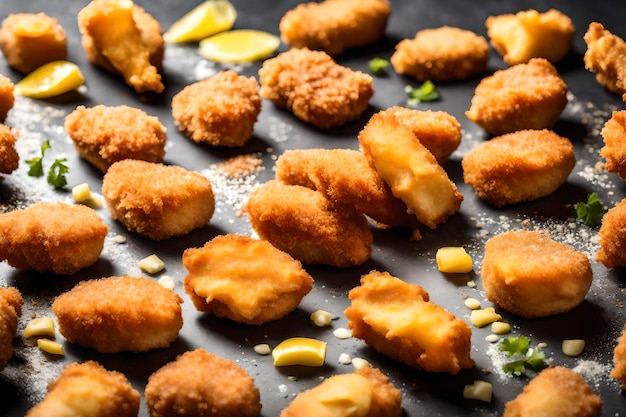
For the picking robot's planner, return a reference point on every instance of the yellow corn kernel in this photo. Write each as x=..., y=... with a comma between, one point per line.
x=299, y=351
x=81, y=193
x=472, y=304
x=500, y=327
x=481, y=318
x=151, y=264
x=262, y=349
x=479, y=390
x=321, y=318
x=50, y=346
x=41, y=326
x=452, y=259
x=573, y=347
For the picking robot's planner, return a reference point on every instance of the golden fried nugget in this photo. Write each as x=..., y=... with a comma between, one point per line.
x=118, y=314
x=315, y=88
x=245, y=280
x=306, y=225
x=29, y=40
x=612, y=237
x=619, y=360
x=158, y=201
x=220, y=110
x=182, y=388
x=334, y=26
x=411, y=171
x=123, y=38
x=88, y=389
x=555, y=392
x=52, y=236
x=606, y=57
x=529, y=274
x=11, y=302
x=524, y=96
x=103, y=135
x=399, y=320
x=614, y=149
x=7, y=98
x=519, y=166
x=9, y=158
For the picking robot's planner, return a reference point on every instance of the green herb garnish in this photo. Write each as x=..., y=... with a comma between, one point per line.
x=57, y=174
x=36, y=164
x=425, y=92
x=524, y=357
x=377, y=66
x=592, y=211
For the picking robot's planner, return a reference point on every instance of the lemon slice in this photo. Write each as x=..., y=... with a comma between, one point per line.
x=50, y=80
x=206, y=19
x=300, y=351
x=239, y=46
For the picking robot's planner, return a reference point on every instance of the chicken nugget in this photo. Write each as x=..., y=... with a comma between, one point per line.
x=524, y=96
x=333, y=26
x=315, y=88
x=181, y=388
x=529, y=274
x=156, y=200
x=7, y=98
x=52, y=236
x=123, y=38
x=220, y=110
x=519, y=166
x=106, y=134
x=88, y=389
x=606, y=57
x=612, y=237
x=11, y=302
x=118, y=314
x=614, y=149
x=619, y=360
x=9, y=158
x=441, y=54
x=555, y=392
x=399, y=320
x=306, y=225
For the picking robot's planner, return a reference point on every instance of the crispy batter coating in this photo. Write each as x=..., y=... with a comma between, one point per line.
x=156, y=200
x=606, y=57
x=9, y=158
x=614, y=149
x=612, y=237
x=519, y=166
x=29, y=40
x=243, y=279
x=118, y=314
x=306, y=225
x=442, y=54
x=399, y=320
x=106, y=134
x=550, y=278
x=555, y=392
x=201, y=384
x=88, y=389
x=315, y=88
x=220, y=110
x=524, y=96
x=7, y=98
x=52, y=236
x=334, y=26
x=619, y=360
x=123, y=38
x=11, y=302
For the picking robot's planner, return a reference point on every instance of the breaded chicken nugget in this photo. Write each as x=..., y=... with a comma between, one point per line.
x=243, y=279
x=619, y=360
x=334, y=26
x=555, y=392
x=106, y=134
x=527, y=273
x=52, y=236
x=9, y=158
x=614, y=149
x=7, y=98
x=399, y=320
x=88, y=389
x=199, y=383
x=220, y=110
x=156, y=200
x=612, y=237
x=524, y=96
x=123, y=38
x=441, y=54
x=519, y=166
x=606, y=57
x=315, y=88
x=29, y=40
x=306, y=225
x=364, y=393
x=11, y=302
x=118, y=314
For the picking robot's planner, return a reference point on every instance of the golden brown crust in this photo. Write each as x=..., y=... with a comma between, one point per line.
x=9, y=158
x=10, y=310
x=612, y=237
x=7, y=97
x=619, y=360
x=606, y=57
x=614, y=149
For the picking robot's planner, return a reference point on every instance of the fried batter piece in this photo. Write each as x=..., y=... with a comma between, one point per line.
x=519, y=166
x=524, y=96
x=181, y=388
x=9, y=158
x=606, y=57
x=88, y=389
x=7, y=98
x=306, y=225
x=619, y=360
x=333, y=26
x=243, y=279
x=11, y=302
x=614, y=149
x=315, y=88
x=441, y=54
x=364, y=393
x=612, y=237
x=123, y=38
x=116, y=314
x=399, y=320
x=103, y=135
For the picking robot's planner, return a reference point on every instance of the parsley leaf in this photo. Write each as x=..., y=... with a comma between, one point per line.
x=590, y=212
x=36, y=164
x=57, y=174
x=425, y=92
x=527, y=358
x=378, y=65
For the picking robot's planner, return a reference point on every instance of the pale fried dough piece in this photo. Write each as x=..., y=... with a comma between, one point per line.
x=243, y=279
x=11, y=302
x=606, y=57
x=118, y=314
x=614, y=149
x=7, y=98
x=88, y=389
x=399, y=320
x=619, y=360
x=612, y=237
x=315, y=88
x=334, y=26
x=9, y=158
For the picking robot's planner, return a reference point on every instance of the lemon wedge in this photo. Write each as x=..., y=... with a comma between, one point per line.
x=239, y=46
x=299, y=351
x=50, y=80
x=206, y=19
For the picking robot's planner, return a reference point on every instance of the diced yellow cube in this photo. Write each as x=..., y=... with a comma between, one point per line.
x=81, y=193
x=151, y=264
x=454, y=259
x=41, y=326
x=300, y=351
x=50, y=346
